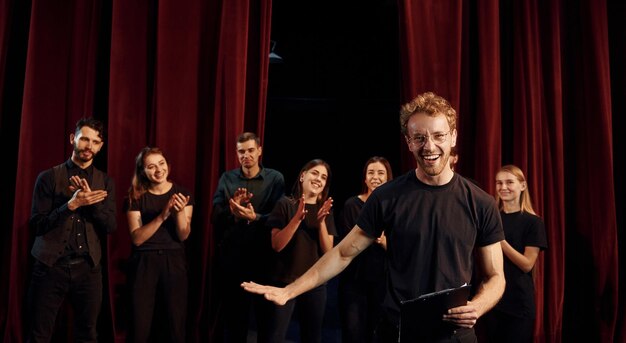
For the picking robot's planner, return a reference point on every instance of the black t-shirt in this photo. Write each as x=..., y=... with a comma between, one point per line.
x=431, y=234
x=304, y=249
x=150, y=205
x=369, y=265
x=521, y=230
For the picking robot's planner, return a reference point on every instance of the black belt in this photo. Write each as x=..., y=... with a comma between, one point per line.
x=71, y=260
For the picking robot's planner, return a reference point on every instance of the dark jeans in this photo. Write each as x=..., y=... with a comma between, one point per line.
x=159, y=275
x=310, y=307
x=80, y=283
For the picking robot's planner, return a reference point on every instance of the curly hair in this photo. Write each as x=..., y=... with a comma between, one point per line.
x=430, y=104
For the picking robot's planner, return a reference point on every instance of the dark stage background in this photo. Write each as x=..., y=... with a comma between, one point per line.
x=540, y=84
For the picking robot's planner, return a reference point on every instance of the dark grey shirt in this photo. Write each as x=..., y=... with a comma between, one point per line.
x=244, y=247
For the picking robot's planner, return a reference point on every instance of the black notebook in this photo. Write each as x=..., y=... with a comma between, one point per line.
x=422, y=317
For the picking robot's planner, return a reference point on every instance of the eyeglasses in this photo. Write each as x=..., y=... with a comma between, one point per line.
x=420, y=140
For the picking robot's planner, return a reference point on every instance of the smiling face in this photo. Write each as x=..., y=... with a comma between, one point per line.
x=156, y=168
x=430, y=139
x=509, y=188
x=314, y=181
x=375, y=175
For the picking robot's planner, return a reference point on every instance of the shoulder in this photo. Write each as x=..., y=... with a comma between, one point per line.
x=285, y=204
x=230, y=177
x=177, y=188
x=286, y=201
x=48, y=172
x=45, y=178
x=109, y=183
x=471, y=187
x=232, y=173
x=353, y=201
x=397, y=183
x=273, y=173
x=52, y=171
x=532, y=219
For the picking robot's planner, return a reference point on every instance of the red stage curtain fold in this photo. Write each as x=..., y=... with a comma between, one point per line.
x=535, y=83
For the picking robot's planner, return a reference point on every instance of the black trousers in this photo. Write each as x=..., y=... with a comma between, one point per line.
x=310, y=308
x=236, y=307
x=360, y=310
x=159, y=275
x=77, y=281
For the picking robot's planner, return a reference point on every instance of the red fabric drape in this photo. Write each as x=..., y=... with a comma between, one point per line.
x=54, y=58
x=537, y=124
x=239, y=89
x=164, y=88
x=429, y=48
x=129, y=110
x=595, y=227
x=531, y=80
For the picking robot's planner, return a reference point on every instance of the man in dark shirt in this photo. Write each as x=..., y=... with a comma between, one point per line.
x=241, y=204
x=73, y=203
x=439, y=226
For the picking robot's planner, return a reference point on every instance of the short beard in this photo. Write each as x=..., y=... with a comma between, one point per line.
x=77, y=153
x=434, y=170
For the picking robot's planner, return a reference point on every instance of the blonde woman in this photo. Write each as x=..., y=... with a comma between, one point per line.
x=513, y=318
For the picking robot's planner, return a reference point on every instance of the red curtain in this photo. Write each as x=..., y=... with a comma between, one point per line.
x=535, y=83
x=454, y=48
x=187, y=78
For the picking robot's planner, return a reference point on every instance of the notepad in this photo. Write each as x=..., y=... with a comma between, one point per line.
x=422, y=317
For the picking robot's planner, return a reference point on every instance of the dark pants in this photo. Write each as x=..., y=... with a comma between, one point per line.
x=360, y=310
x=387, y=332
x=503, y=327
x=309, y=307
x=159, y=275
x=80, y=283
x=236, y=307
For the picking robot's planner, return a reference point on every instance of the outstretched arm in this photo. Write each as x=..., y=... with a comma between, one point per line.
x=331, y=264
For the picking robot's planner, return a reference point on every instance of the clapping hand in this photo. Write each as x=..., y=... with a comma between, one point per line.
x=83, y=195
x=240, y=205
x=178, y=201
x=301, y=211
x=324, y=209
